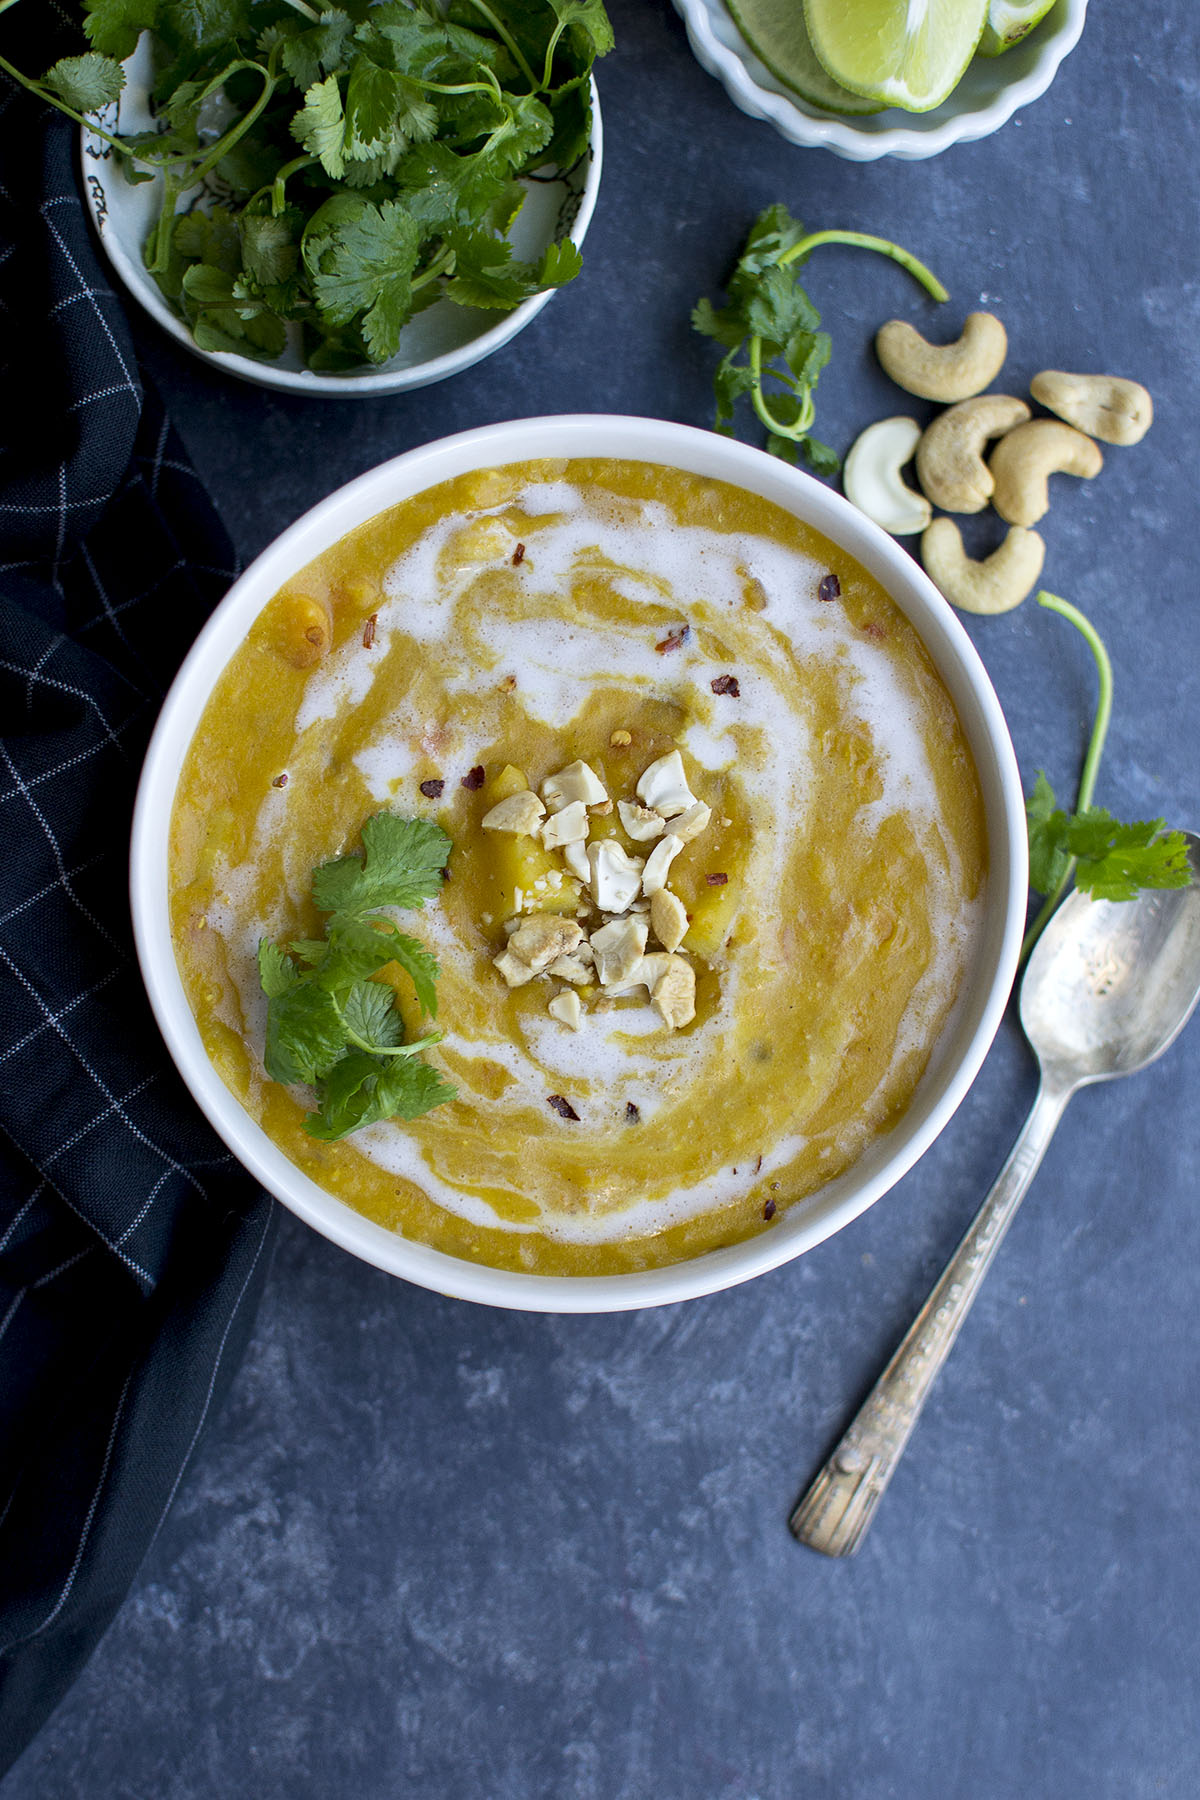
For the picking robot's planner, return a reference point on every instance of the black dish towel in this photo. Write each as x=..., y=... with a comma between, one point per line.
x=132, y=1246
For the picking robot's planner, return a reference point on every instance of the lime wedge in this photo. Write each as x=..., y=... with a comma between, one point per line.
x=906, y=53
x=776, y=32
x=1008, y=21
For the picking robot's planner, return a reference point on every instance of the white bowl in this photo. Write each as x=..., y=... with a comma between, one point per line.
x=957, y=1056
x=441, y=341
x=990, y=92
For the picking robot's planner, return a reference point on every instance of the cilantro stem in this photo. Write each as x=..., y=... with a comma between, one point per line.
x=306, y=11
x=418, y=1044
x=239, y=129
x=508, y=41
x=758, y=398
x=862, y=240
x=1091, y=762
x=799, y=427
x=440, y=264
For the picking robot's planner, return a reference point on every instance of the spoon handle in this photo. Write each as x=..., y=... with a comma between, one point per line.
x=834, y=1514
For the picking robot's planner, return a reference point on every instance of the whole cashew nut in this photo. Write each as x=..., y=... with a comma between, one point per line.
x=950, y=465
x=943, y=371
x=1105, y=406
x=871, y=477
x=995, y=585
x=1024, y=460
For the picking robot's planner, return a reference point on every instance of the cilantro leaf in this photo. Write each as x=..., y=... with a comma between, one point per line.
x=270, y=252
x=321, y=125
x=421, y=965
x=276, y=972
x=360, y=258
x=86, y=82
x=305, y=1034
x=114, y=26
x=359, y=1091
x=1046, y=824
x=328, y=1023
x=1115, y=861
x=402, y=867
x=307, y=55
x=370, y=1017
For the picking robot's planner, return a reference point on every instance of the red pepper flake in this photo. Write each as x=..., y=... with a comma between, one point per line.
x=676, y=641
x=726, y=684
x=446, y=873
x=758, y=1165
x=474, y=778
x=518, y=556
x=369, y=631
x=280, y=781
x=562, y=1107
x=632, y=1115
x=769, y=1210
x=830, y=587
x=716, y=880
x=432, y=790
x=874, y=630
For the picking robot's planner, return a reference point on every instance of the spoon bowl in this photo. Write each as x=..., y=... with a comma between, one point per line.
x=1111, y=984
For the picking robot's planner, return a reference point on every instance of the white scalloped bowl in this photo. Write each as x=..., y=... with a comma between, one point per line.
x=964, y=1041
x=990, y=92
x=441, y=341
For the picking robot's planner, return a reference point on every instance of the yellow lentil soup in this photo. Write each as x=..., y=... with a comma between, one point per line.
x=469, y=645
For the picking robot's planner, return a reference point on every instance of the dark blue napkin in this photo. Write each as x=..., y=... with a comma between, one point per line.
x=132, y=1246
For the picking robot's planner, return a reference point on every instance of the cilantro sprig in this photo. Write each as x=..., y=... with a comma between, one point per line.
x=770, y=329
x=329, y=1024
x=369, y=156
x=1109, y=860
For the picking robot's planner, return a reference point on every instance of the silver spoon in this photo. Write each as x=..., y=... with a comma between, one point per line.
x=1108, y=988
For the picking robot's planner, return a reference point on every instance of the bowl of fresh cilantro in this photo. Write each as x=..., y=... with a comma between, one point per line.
x=342, y=200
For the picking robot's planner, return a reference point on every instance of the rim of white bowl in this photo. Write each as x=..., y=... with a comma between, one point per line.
x=354, y=386
x=964, y=1044
x=719, y=47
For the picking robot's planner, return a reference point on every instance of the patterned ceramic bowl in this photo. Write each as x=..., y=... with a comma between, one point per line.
x=441, y=341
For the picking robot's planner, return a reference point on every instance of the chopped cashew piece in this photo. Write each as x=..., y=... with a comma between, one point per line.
x=950, y=465
x=542, y=938
x=668, y=919
x=943, y=371
x=1109, y=407
x=615, y=877
x=640, y=823
x=871, y=478
x=664, y=787
x=674, y=993
x=566, y=1007
x=618, y=949
x=1024, y=460
x=651, y=969
x=514, y=971
x=654, y=875
x=688, y=825
x=576, y=858
x=567, y=826
x=995, y=585
x=518, y=813
x=577, y=781
x=573, y=968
